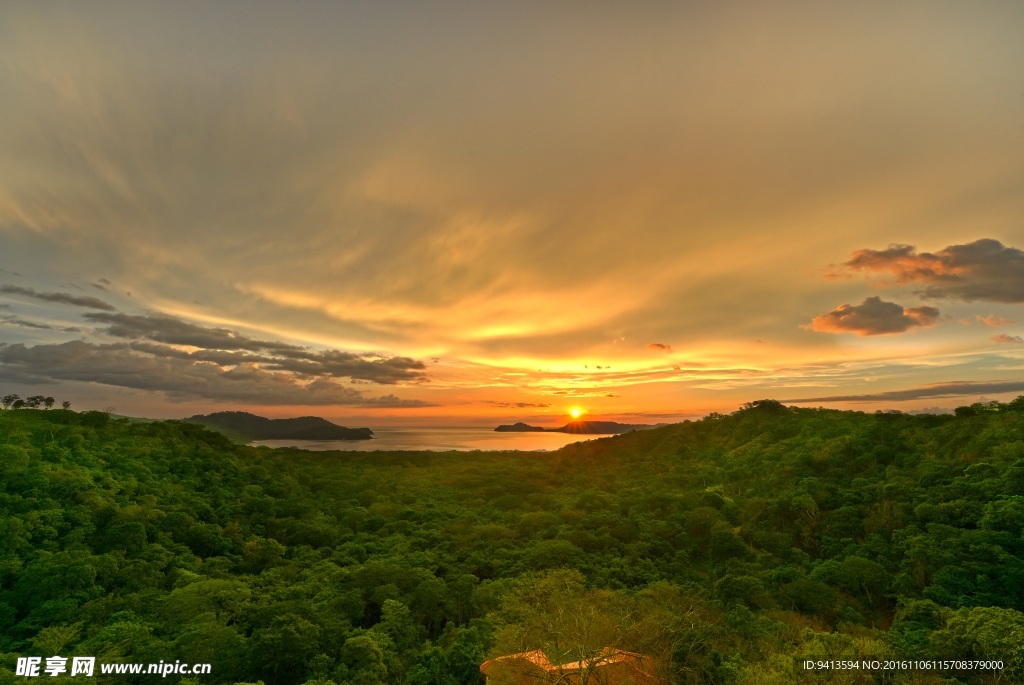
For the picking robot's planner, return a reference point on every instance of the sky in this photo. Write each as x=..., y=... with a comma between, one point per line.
x=466, y=213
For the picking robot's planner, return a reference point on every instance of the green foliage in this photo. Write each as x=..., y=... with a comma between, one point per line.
x=984, y=633
x=717, y=548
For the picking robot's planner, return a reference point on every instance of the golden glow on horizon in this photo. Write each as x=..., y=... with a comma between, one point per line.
x=575, y=412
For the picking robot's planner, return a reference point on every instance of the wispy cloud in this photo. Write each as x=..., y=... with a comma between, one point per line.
x=60, y=298
x=993, y=321
x=517, y=405
x=15, y=321
x=12, y=320
x=1007, y=339
x=659, y=347
x=949, y=389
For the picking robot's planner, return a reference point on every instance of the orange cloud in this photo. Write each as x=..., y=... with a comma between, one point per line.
x=984, y=270
x=659, y=347
x=1007, y=339
x=993, y=321
x=874, y=317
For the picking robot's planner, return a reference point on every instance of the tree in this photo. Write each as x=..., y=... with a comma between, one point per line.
x=466, y=653
x=223, y=600
x=8, y=400
x=985, y=633
x=765, y=406
x=48, y=402
x=363, y=661
x=53, y=639
x=65, y=405
x=574, y=626
x=284, y=646
x=431, y=668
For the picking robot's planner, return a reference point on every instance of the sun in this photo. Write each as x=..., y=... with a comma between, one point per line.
x=575, y=412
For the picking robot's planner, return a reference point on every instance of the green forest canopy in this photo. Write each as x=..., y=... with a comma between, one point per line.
x=722, y=548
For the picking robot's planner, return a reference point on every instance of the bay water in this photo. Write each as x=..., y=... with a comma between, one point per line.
x=439, y=439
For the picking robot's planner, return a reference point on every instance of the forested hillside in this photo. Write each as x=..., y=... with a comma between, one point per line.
x=721, y=548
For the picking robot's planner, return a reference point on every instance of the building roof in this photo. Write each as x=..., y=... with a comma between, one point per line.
x=614, y=666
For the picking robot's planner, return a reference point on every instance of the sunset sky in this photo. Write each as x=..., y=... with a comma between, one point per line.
x=393, y=213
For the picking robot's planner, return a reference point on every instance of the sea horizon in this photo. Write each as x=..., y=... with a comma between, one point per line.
x=440, y=439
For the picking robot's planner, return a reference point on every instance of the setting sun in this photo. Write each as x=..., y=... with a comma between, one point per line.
x=575, y=412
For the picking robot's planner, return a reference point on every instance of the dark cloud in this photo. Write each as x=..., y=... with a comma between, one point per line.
x=62, y=298
x=12, y=320
x=226, y=347
x=874, y=317
x=1007, y=339
x=660, y=347
x=985, y=270
x=219, y=357
x=175, y=375
x=338, y=364
x=950, y=389
x=517, y=405
x=174, y=331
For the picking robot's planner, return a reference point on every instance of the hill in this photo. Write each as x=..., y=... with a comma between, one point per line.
x=246, y=427
x=723, y=550
x=519, y=427
x=600, y=427
x=580, y=427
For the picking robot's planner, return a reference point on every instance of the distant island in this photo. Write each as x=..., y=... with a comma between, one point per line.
x=578, y=427
x=520, y=427
x=243, y=426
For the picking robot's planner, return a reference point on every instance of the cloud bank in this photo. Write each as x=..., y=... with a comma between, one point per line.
x=226, y=347
x=179, y=376
x=186, y=361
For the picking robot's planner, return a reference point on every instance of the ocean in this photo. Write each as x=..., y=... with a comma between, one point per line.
x=439, y=439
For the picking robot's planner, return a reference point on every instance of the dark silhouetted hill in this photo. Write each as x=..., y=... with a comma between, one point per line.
x=600, y=427
x=578, y=427
x=519, y=427
x=244, y=426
